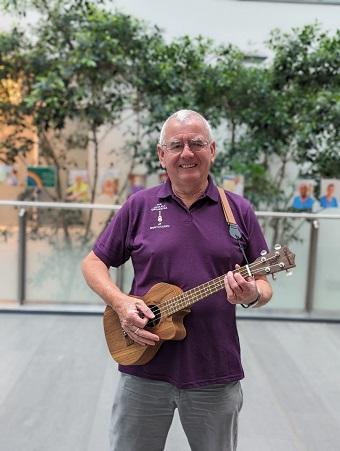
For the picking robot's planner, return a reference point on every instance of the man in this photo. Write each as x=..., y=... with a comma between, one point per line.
x=303, y=201
x=78, y=191
x=176, y=233
x=328, y=200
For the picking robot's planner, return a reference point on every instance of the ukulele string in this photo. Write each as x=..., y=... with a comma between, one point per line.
x=167, y=309
x=243, y=271
x=173, y=301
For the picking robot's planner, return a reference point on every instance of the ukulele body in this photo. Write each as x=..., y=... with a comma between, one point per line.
x=123, y=349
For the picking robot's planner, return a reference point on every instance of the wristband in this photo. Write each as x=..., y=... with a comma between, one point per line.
x=253, y=303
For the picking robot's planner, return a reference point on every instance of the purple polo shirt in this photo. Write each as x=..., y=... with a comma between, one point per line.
x=168, y=242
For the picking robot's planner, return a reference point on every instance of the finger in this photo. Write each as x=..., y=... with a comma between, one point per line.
x=145, y=334
x=229, y=291
x=238, y=276
x=244, y=282
x=142, y=333
x=231, y=295
x=233, y=283
x=144, y=337
x=144, y=309
x=239, y=279
x=136, y=321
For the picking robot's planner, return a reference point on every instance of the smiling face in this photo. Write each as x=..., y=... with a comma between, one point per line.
x=330, y=190
x=188, y=170
x=303, y=190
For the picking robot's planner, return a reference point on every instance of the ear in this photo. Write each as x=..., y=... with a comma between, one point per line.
x=161, y=155
x=212, y=148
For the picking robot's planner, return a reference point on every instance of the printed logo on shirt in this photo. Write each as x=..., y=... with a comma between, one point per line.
x=159, y=219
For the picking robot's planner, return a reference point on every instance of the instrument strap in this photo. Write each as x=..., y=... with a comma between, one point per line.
x=229, y=216
x=234, y=231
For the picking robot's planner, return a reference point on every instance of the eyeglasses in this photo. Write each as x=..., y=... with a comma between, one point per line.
x=177, y=147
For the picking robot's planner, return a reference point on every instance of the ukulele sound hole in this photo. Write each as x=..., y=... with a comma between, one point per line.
x=156, y=311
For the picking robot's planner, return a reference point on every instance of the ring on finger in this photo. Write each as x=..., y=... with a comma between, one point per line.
x=137, y=329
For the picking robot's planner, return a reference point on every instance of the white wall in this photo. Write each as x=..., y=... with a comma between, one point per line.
x=245, y=24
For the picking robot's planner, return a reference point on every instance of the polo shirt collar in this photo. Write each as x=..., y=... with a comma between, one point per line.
x=165, y=190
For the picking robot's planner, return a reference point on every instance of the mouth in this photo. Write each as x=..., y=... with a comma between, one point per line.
x=187, y=166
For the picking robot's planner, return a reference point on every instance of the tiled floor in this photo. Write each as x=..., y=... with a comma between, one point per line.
x=57, y=383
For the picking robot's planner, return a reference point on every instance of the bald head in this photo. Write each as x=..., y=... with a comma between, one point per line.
x=183, y=116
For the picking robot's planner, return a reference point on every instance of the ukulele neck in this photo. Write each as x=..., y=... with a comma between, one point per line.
x=189, y=297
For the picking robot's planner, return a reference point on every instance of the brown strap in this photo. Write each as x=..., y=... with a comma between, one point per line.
x=229, y=217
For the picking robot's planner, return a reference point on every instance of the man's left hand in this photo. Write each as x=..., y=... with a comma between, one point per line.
x=240, y=290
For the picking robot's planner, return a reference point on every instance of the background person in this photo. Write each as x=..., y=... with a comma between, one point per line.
x=304, y=201
x=329, y=200
x=137, y=183
x=78, y=191
x=109, y=196
x=199, y=375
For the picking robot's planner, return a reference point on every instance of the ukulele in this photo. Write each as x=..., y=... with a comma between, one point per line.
x=170, y=304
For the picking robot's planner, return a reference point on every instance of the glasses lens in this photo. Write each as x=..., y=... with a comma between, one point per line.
x=178, y=146
x=175, y=147
x=197, y=145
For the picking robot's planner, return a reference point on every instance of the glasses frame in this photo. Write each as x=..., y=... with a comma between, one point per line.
x=189, y=143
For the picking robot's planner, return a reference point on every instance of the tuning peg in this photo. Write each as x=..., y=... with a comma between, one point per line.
x=274, y=276
x=277, y=247
x=263, y=252
x=289, y=272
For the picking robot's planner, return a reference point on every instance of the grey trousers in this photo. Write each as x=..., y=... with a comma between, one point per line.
x=143, y=410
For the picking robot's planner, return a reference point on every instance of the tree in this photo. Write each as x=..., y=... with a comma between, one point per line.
x=306, y=64
x=13, y=88
x=167, y=81
x=79, y=70
x=99, y=67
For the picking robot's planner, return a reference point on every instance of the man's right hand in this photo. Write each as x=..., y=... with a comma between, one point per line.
x=134, y=314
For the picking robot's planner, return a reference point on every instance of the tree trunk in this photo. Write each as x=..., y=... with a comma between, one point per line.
x=52, y=156
x=95, y=178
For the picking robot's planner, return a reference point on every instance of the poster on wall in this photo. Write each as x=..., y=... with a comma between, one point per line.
x=78, y=186
x=329, y=193
x=41, y=176
x=137, y=182
x=108, y=191
x=108, y=186
x=303, y=198
x=8, y=175
x=233, y=183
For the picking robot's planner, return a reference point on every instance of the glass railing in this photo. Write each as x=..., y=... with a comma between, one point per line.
x=42, y=246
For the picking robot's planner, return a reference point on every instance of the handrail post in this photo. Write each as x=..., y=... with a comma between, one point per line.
x=312, y=256
x=22, y=257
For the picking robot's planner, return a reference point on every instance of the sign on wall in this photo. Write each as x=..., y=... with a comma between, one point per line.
x=41, y=176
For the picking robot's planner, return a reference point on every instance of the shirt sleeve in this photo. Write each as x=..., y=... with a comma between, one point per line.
x=112, y=246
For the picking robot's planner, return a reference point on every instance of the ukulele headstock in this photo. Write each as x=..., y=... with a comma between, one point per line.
x=280, y=259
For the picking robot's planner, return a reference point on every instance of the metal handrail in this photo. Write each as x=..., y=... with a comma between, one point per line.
x=313, y=218
x=89, y=206
x=60, y=205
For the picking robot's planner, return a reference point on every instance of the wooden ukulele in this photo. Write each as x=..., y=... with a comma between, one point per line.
x=170, y=304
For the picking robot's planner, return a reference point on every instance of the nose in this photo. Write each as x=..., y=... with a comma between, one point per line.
x=186, y=150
